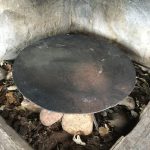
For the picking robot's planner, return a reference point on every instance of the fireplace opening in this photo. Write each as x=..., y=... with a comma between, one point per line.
x=95, y=74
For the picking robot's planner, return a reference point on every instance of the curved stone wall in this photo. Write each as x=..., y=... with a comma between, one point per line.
x=25, y=21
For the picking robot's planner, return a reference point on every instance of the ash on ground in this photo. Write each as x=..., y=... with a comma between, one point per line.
x=112, y=123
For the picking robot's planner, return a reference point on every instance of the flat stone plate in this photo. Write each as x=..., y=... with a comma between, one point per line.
x=74, y=73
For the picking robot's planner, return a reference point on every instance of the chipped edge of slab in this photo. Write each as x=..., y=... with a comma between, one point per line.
x=9, y=139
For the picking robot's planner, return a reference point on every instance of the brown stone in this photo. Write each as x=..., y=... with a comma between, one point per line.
x=103, y=131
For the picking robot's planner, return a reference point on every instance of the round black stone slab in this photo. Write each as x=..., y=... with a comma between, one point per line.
x=74, y=73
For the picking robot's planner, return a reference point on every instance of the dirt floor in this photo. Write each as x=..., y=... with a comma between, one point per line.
x=113, y=123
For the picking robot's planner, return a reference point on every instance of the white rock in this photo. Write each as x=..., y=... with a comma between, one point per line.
x=78, y=123
x=48, y=118
x=128, y=102
x=2, y=74
x=9, y=76
x=12, y=88
x=30, y=105
x=77, y=140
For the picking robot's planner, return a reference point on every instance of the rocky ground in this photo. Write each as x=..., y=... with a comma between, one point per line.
x=112, y=123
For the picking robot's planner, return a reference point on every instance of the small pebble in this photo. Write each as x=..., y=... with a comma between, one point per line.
x=2, y=107
x=12, y=88
x=10, y=98
x=30, y=105
x=8, y=67
x=128, y=102
x=77, y=140
x=48, y=118
x=1, y=63
x=74, y=123
x=104, y=113
x=118, y=121
x=9, y=76
x=2, y=74
x=134, y=114
x=103, y=131
x=110, y=111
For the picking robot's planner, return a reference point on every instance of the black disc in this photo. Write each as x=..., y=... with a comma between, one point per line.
x=74, y=73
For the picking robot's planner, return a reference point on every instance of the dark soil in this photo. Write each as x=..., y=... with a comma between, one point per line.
x=27, y=123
